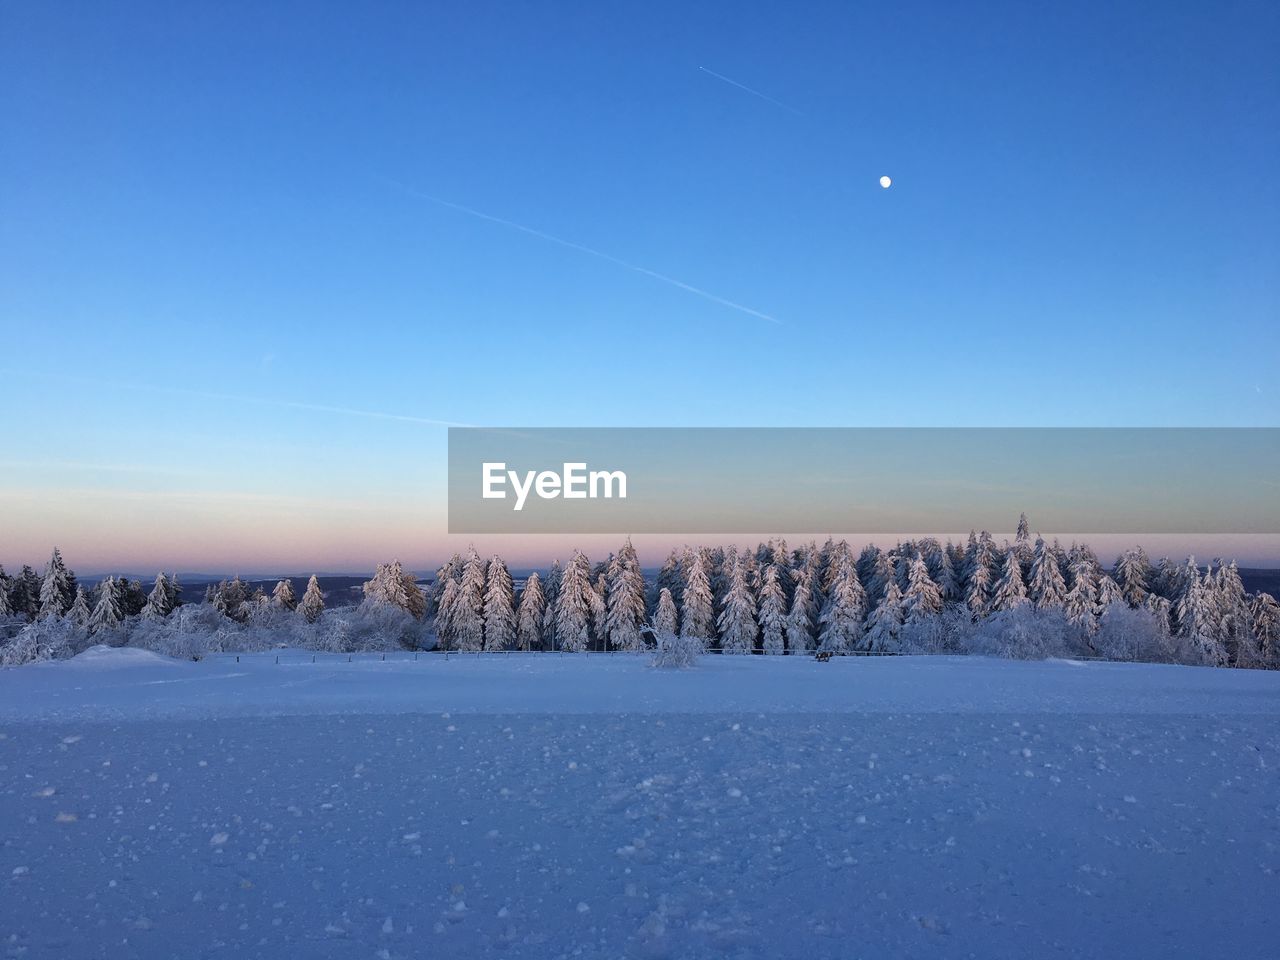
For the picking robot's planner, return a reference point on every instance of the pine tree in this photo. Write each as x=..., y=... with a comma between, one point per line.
x=78, y=615
x=1108, y=592
x=533, y=607
x=671, y=578
x=696, y=617
x=625, y=601
x=1196, y=618
x=885, y=625
x=1266, y=627
x=1048, y=589
x=6, y=607
x=283, y=596
x=846, y=608
x=1024, y=529
x=573, y=605
x=312, y=604
x=737, y=622
x=942, y=572
x=468, y=610
x=107, y=614
x=1133, y=573
x=499, y=607
x=1010, y=592
x=664, y=616
x=599, y=608
x=157, y=606
x=1081, y=601
x=56, y=588
x=391, y=584
x=923, y=598
x=799, y=622
x=132, y=597
x=446, y=632
x=25, y=595
x=551, y=590
x=1234, y=616
x=175, y=591
x=773, y=612
x=978, y=585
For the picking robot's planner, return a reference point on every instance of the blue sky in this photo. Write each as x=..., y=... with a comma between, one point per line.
x=213, y=222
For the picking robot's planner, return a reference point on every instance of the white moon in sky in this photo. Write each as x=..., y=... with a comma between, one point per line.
x=885, y=182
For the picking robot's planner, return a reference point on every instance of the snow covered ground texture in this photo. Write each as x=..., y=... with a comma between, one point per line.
x=590, y=806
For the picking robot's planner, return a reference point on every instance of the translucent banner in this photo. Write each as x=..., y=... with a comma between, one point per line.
x=862, y=480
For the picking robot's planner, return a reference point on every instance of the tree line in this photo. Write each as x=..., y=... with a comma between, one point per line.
x=1026, y=598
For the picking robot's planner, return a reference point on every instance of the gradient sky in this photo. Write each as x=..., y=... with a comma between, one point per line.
x=232, y=320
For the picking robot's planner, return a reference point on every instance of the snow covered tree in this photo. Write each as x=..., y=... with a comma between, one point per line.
x=1081, y=602
x=107, y=615
x=1133, y=574
x=1196, y=621
x=1048, y=588
x=696, y=617
x=978, y=586
x=1010, y=592
x=942, y=572
x=737, y=623
x=393, y=586
x=923, y=598
x=799, y=622
x=132, y=597
x=1108, y=592
x=1235, y=622
x=551, y=592
x=529, y=614
x=664, y=615
x=57, y=588
x=468, y=610
x=625, y=601
x=447, y=606
x=283, y=596
x=885, y=625
x=175, y=591
x=599, y=608
x=671, y=578
x=773, y=612
x=312, y=604
x=157, y=606
x=24, y=594
x=499, y=607
x=573, y=605
x=1024, y=529
x=677, y=650
x=841, y=621
x=1266, y=628
x=230, y=598
x=79, y=613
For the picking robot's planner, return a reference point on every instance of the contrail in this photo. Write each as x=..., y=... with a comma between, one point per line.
x=239, y=398
x=697, y=291
x=754, y=93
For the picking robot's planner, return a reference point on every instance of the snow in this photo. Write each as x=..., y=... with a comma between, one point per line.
x=538, y=806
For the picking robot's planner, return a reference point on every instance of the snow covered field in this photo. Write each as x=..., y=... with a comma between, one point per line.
x=544, y=806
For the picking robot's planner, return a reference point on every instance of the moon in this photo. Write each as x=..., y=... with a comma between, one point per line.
x=886, y=182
